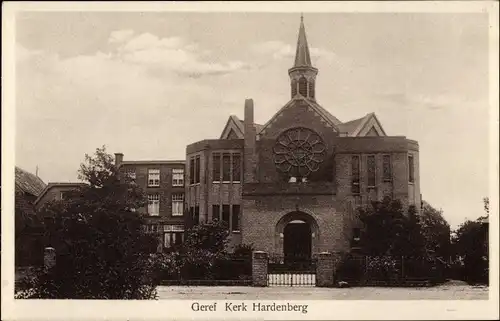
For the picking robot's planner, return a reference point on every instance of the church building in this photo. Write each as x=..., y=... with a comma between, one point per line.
x=291, y=186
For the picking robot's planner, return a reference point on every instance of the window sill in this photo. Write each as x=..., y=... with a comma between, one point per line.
x=411, y=183
x=238, y=231
x=177, y=215
x=194, y=184
x=177, y=185
x=153, y=186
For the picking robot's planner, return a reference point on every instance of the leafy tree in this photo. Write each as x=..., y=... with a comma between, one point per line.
x=204, y=246
x=470, y=246
x=102, y=249
x=388, y=230
x=436, y=231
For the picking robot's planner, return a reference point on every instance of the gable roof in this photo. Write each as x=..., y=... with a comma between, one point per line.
x=28, y=182
x=53, y=184
x=322, y=112
x=238, y=126
x=356, y=126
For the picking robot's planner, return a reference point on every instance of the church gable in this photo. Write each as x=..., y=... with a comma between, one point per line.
x=370, y=127
x=233, y=129
x=298, y=113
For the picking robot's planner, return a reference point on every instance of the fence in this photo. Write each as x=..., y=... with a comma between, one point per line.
x=390, y=270
x=291, y=271
x=183, y=270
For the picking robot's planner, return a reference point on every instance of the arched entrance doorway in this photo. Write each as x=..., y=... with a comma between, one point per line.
x=297, y=236
x=297, y=242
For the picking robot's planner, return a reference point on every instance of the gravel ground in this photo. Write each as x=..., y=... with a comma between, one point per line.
x=442, y=292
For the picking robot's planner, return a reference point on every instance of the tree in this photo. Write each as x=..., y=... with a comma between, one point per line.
x=388, y=230
x=471, y=248
x=102, y=249
x=436, y=231
x=204, y=246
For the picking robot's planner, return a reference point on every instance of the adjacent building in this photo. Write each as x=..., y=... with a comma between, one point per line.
x=163, y=183
x=291, y=186
x=28, y=228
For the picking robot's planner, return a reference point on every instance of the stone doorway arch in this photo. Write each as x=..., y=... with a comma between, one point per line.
x=297, y=236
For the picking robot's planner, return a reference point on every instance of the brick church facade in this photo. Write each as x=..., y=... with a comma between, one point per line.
x=291, y=185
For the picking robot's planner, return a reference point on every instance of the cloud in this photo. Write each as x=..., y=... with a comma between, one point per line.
x=279, y=50
x=120, y=36
x=177, y=55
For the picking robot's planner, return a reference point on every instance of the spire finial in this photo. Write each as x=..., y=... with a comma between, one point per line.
x=301, y=17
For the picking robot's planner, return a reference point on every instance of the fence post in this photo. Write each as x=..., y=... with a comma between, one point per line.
x=325, y=270
x=49, y=257
x=259, y=268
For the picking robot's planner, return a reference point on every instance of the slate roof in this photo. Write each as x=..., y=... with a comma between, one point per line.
x=28, y=182
x=350, y=126
x=302, y=56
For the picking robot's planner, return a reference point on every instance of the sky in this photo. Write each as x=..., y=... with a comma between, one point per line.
x=148, y=84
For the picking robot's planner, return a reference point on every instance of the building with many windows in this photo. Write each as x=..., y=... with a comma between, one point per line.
x=291, y=185
x=163, y=183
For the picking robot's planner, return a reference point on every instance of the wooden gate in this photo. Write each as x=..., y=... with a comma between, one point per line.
x=291, y=271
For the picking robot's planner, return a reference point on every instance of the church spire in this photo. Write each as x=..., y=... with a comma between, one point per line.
x=303, y=74
x=302, y=56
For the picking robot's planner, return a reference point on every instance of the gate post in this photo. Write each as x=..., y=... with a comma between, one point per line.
x=259, y=268
x=324, y=272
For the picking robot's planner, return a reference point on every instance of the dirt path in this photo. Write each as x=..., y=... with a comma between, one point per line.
x=443, y=292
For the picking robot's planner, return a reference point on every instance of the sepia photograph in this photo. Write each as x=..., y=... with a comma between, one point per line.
x=259, y=164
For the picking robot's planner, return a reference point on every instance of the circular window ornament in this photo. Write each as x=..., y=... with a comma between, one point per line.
x=298, y=152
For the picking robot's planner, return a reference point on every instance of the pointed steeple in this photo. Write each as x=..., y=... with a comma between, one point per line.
x=302, y=56
x=303, y=74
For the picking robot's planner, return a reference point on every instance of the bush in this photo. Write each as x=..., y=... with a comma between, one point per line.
x=381, y=268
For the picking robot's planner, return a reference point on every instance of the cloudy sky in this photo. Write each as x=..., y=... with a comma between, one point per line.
x=148, y=84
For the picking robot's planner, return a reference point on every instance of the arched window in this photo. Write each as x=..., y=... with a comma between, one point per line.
x=303, y=86
x=311, y=88
x=294, y=88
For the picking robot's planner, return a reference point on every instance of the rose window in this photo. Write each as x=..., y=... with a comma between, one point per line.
x=298, y=152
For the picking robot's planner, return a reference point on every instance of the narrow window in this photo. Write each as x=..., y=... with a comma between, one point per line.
x=191, y=170
x=236, y=167
x=294, y=88
x=226, y=167
x=225, y=214
x=235, y=222
x=411, y=169
x=216, y=167
x=303, y=86
x=355, y=175
x=153, y=177
x=154, y=204
x=311, y=89
x=196, y=215
x=387, y=168
x=177, y=177
x=215, y=212
x=370, y=166
x=198, y=170
x=177, y=204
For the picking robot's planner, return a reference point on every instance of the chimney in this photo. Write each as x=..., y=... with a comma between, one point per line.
x=250, y=159
x=118, y=159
